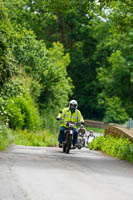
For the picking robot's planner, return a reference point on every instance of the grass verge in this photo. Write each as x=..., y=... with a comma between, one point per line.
x=99, y=130
x=6, y=137
x=24, y=137
x=42, y=139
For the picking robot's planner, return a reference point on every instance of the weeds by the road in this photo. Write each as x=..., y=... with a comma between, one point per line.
x=42, y=138
x=6, y=137
x=25, y=137
x=118, y=147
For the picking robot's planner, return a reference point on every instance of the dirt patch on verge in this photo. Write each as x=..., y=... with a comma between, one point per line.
x=117, y=131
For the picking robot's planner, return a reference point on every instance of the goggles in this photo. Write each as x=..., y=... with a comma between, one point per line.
x=73, y=105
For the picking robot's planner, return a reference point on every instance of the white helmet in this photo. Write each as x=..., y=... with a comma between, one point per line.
x=73, y=102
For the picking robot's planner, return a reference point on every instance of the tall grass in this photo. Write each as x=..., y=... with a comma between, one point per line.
x=42, y=139
x=25, y=137
x=49, y=121
x=6, y=137
x=99, y=130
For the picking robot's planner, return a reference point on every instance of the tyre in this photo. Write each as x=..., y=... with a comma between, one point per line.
x=79, y=146
x=83, y=143
x=69, y=142
x=64, y=148
x=79, y=143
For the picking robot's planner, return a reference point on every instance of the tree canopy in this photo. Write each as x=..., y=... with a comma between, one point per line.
x=58, y=50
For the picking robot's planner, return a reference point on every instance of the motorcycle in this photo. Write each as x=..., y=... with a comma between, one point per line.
x=90, y=137
x=68, y=137
x=81, y=141
x=81, y=137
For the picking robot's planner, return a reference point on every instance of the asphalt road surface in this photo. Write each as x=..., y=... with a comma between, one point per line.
x=37, y=173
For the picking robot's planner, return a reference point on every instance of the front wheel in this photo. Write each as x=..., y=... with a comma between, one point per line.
x=69, y=142
x=83, y=142
x=64, y=148
x=79, y=143
x=79, y=146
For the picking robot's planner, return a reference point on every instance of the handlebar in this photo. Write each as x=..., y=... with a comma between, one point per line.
x=75, y=123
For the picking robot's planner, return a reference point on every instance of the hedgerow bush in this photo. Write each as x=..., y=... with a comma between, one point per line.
x=20, y=113
x=32, y=119
x=118, y=147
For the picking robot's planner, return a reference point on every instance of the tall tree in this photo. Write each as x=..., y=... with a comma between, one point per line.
x=115, y=77
x=70, y=23
x=7, y=61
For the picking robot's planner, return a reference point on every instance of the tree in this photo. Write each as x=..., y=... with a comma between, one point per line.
x=115, y=76
x=7, y=61
x=70, y=23
x=47, y=68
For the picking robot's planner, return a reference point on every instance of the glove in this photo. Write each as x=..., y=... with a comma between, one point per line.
x=82, y=123
x=67, y=123
x=57, y=118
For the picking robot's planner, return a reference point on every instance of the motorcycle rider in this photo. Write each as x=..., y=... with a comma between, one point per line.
x=91, y=133
x=90, y=136
x=70, y=113
x=81, y=136
x=82, y=130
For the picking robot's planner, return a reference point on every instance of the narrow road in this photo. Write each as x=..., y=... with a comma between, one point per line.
x=37, y=173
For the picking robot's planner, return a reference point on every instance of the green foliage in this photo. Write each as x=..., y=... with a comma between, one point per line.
x=68, y=22
x=97, y=143
x=43, y=139
x=13, y=114
x=13, y=88
x=47, y=68
x=98, y=38
x=121, y=16
x=49, y=120
x=7, y=61
x=20, y=112
x=116, y=80
x=6, y=137
x=31, y=115
x=121, y=148
x=114, y=111
x=57, y=83
x=115, y=70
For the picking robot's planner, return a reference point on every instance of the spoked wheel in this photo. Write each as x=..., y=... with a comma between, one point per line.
x=79, y=143
x=83, y=143
x=79, y=146
x=69, y=142
x=64, y=148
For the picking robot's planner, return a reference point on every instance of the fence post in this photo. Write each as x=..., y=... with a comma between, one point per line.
x=130, y=123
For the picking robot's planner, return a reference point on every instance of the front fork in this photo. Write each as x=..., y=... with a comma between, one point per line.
x=66, y=135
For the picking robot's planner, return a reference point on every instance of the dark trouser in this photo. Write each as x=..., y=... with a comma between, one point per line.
x=75, y=138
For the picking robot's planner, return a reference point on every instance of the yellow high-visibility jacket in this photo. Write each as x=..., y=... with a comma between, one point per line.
x=68, y=116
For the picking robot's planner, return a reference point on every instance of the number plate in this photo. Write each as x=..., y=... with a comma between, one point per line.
x=71, y=132
x=71, y=125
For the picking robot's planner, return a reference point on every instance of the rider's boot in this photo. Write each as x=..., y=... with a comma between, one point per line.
x=60, y=145
x=75, y=146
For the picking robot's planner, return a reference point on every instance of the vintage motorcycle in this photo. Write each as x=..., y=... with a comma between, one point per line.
x=68, y=137
x=81, y=141
x=81, y=137
x=90, y=137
